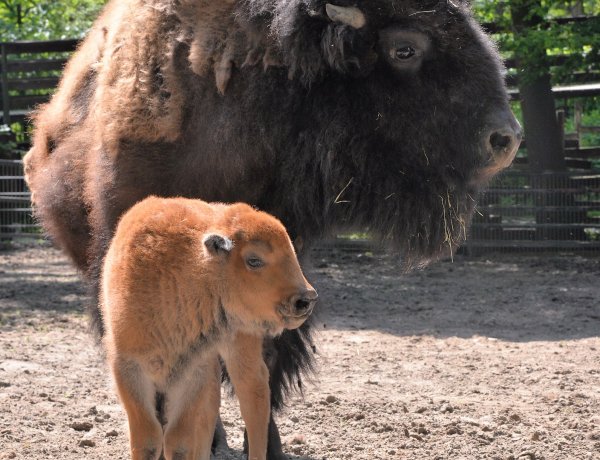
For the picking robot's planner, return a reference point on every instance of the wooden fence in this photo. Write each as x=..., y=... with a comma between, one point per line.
x=29, y=72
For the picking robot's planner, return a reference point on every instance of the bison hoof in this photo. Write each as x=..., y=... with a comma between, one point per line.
x=219, y=443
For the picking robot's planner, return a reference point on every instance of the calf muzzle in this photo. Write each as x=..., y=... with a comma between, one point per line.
x=297, y=308
x=304, y=302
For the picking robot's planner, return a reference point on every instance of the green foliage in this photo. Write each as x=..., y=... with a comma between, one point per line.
x=590, y=111
x=46, y=19
x=531, y=31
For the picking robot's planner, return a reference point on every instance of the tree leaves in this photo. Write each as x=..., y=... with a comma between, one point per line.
x=46, y=19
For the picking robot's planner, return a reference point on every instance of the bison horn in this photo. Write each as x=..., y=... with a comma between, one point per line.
x=349, y=15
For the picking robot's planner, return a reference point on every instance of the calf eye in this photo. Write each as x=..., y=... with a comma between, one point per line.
x=254, y=263
x=404, y=52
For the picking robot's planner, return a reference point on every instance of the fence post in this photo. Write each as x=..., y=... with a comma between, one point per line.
x=4, y=82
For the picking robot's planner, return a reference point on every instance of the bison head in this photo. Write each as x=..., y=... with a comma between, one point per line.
x=403, y=119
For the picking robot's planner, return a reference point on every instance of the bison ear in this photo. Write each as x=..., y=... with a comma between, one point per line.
x=218, y=244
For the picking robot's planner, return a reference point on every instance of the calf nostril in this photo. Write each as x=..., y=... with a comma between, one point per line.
x=303, y=304
x=305, y=301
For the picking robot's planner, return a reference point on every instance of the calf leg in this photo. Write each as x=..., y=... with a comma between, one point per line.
x=274, y=448
x=250, y=378
x=137, y=394
x=192, y=411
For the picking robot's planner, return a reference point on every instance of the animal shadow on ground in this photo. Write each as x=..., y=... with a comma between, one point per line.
x=38, y=282
x=516, y=297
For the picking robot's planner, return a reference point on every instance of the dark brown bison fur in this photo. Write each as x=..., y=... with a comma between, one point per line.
x=273, y=103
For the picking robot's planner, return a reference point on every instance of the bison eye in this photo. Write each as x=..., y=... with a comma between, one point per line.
x=404, y=52
x=404, y=49
x=254, y=262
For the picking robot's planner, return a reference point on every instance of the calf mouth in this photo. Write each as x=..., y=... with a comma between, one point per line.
x=292, y=320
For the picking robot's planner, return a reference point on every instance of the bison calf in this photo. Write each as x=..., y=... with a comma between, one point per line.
x=186, y=283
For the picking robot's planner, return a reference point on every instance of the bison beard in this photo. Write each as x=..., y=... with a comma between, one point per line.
x=388, y=117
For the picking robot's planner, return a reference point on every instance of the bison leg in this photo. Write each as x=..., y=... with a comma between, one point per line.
x=219, y=443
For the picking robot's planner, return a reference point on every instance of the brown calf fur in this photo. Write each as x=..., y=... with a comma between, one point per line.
x=185, y=283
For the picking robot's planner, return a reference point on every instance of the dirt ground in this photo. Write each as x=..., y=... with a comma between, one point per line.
x=496, y=357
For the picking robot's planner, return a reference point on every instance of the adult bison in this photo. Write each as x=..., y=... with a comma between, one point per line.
x=382, y=115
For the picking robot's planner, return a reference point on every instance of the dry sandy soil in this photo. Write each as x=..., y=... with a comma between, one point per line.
x=480, y=358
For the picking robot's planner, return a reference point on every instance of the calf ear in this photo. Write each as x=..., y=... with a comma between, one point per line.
x=218, y=244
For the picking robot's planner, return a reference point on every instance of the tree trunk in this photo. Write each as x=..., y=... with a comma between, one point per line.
x=543, y=135
x=577, y=8
x=542, y=132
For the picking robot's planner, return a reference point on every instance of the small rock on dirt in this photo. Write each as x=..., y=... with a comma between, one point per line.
x=112, y=434
x=81, y=426
x=452, y=430
x=331, y=399
x=422, y=430
x=298, y=439
x=86, y=443
x=446, y=408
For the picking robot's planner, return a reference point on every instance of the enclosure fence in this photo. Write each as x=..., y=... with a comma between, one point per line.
x=520, y=211
x=548, y=211
x=15, y=203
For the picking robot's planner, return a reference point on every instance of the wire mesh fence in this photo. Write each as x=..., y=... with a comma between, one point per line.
x=520, y=211
x=549, y=211
x=16, y=218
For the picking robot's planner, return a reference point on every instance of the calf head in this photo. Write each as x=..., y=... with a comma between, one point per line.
x=263, y=285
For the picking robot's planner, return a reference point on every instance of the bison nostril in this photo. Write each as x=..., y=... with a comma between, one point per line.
x=502, y=144
x=505, y=140
x=500, y=141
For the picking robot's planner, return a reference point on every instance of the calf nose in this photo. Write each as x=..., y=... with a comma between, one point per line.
x=305, y=301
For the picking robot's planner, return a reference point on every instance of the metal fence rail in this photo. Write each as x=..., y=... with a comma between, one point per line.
x=520, y=211
x=15, y=207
